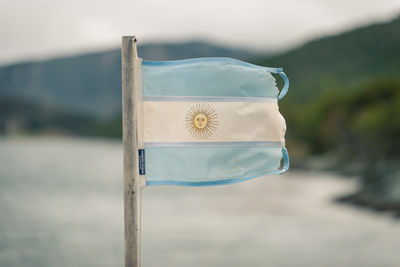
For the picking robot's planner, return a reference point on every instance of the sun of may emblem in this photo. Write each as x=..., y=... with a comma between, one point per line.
x=201, y=121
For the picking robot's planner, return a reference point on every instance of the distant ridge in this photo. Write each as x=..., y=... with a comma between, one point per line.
x=91, y=83
x=171, y=51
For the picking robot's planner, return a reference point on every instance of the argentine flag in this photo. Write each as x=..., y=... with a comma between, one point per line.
x=209, y=121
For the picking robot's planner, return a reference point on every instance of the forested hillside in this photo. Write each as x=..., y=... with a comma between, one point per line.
x=343, y=108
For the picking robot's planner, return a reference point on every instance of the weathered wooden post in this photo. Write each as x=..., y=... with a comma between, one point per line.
x=132, y=189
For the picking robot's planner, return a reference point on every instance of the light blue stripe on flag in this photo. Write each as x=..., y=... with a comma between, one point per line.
x=202, y=166
x=214, y=77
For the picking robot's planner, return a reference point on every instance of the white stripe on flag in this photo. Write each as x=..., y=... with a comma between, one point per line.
x=173, y=121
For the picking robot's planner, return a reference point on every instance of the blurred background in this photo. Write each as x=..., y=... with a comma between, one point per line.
x=61, y=198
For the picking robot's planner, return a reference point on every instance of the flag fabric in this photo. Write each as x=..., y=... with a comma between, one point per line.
x=209, y=121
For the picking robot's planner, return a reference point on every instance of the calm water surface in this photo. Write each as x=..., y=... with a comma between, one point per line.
x=61, y=205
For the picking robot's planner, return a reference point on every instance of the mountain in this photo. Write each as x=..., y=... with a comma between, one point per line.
x=91, y=84
x=341, y=62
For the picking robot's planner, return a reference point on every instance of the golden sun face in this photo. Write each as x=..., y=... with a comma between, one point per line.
x=201, y=121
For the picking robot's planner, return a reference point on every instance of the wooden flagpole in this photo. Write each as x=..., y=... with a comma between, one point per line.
x=132, y=189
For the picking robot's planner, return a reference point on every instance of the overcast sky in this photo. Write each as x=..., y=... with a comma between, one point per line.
x=37, y=29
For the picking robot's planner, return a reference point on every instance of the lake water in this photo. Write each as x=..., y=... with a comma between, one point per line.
x=61, y=204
